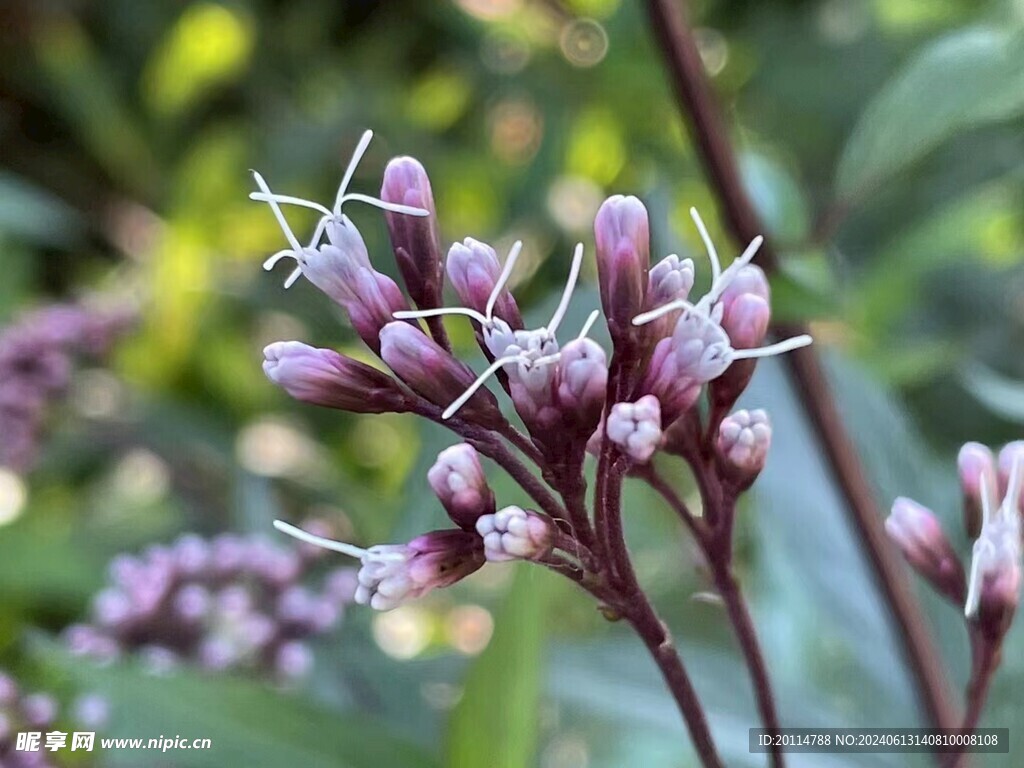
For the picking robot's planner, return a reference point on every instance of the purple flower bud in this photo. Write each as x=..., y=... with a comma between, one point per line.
x=414, y=239
x=977, y=469
x=112, y=607
x=293, y=660
x=671, y=279
x=459, y=482
x=919, y=535
x=622, y=232
x=8, y=690
x=191, y=554
x=515, y=534
x=582, y=380
x=327, y=378
x=745, y=320
x=217, y=653
x=474, y=270
x=394, y=573
x=340, y=584
x=434, y=374
x=297, y=606
x=744, y=438
x=993, y=589
x=342, y=270
x=748, y=279
x=636, y=427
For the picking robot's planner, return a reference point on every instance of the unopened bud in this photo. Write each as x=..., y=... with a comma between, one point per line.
x=919, y=536
x=977, y=469
x=459, y=482
x=744, y=438
x=622, y=233
x=636, y=427
x=515, y=534
x=325, y=377
x=415, y=239
x=433, y=373
x=671, y=279
x=474, y=270
x=582, y=380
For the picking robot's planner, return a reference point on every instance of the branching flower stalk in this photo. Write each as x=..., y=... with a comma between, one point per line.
x=669, y=353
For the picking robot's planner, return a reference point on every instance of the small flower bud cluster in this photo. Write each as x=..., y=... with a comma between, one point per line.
x=993, y=508
x=23, y=713
x=636, y=427
x=744, y=438
x=38, y=355
x=515, y=534
x=227, y=603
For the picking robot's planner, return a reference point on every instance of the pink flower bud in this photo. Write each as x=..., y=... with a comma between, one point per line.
x=749, y=279
x=515, y=534
x=671, y=279
x=415, y=239
x=433, y=373
x=474, y=270
x=977, y=470
x=327, y=378
x=744, y=438
x=919, y=536
x=622, y=232
x=459, y=482
x=582, y=380
x=745, y=320
x=636, y=427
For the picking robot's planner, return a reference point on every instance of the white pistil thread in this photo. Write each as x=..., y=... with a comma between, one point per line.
x=1004, y=525
x=265, y=195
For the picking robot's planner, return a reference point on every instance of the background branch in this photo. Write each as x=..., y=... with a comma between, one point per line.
x=685, y=68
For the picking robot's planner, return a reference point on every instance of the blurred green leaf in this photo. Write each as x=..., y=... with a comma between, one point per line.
x=968, y=79
x=1001, y=395
x=248, y=723
x=496, y=722
x=32, y=213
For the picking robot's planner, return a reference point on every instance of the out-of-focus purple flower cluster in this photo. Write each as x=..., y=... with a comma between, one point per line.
x=227, y=603
x=38, y=354
x=40, y=713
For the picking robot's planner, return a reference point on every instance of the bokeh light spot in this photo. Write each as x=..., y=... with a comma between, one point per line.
x=584, y=42
x=469, y=629
x=403, y=633
x=13, y=496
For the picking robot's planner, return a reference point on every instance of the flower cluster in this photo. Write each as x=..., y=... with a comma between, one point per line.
x=38, y=353
x=225, y=603
x=40, y=713
x=993, y=505
x=642, y=398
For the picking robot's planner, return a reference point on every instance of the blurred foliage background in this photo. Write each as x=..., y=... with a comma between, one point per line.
x=883, y=143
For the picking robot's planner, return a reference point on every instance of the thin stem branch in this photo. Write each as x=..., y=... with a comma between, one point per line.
x=746, y=634
x=697, y=103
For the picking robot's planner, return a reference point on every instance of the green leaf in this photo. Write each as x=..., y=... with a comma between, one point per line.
x=248, y=723
x=496, y=722
x=969, y=79
x=1000, y=395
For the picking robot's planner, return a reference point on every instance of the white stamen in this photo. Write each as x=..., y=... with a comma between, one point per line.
x=589, y=324
x=383, y=204
x=976, y=577
x=1013, y=485
x=570, y=286
x=471, y=390
x=651, y=315
x=266, y=197
x=292, y=240
x=357, y=155
x=319, y=541
x=716, y=266
x=414, y=314
x=293, y=278
x=986, y=501
x=719, y=285
x=506, y=273
x=773, y=349
x=272, y=261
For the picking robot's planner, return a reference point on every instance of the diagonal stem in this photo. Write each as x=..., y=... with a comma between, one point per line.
x=697, y=103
